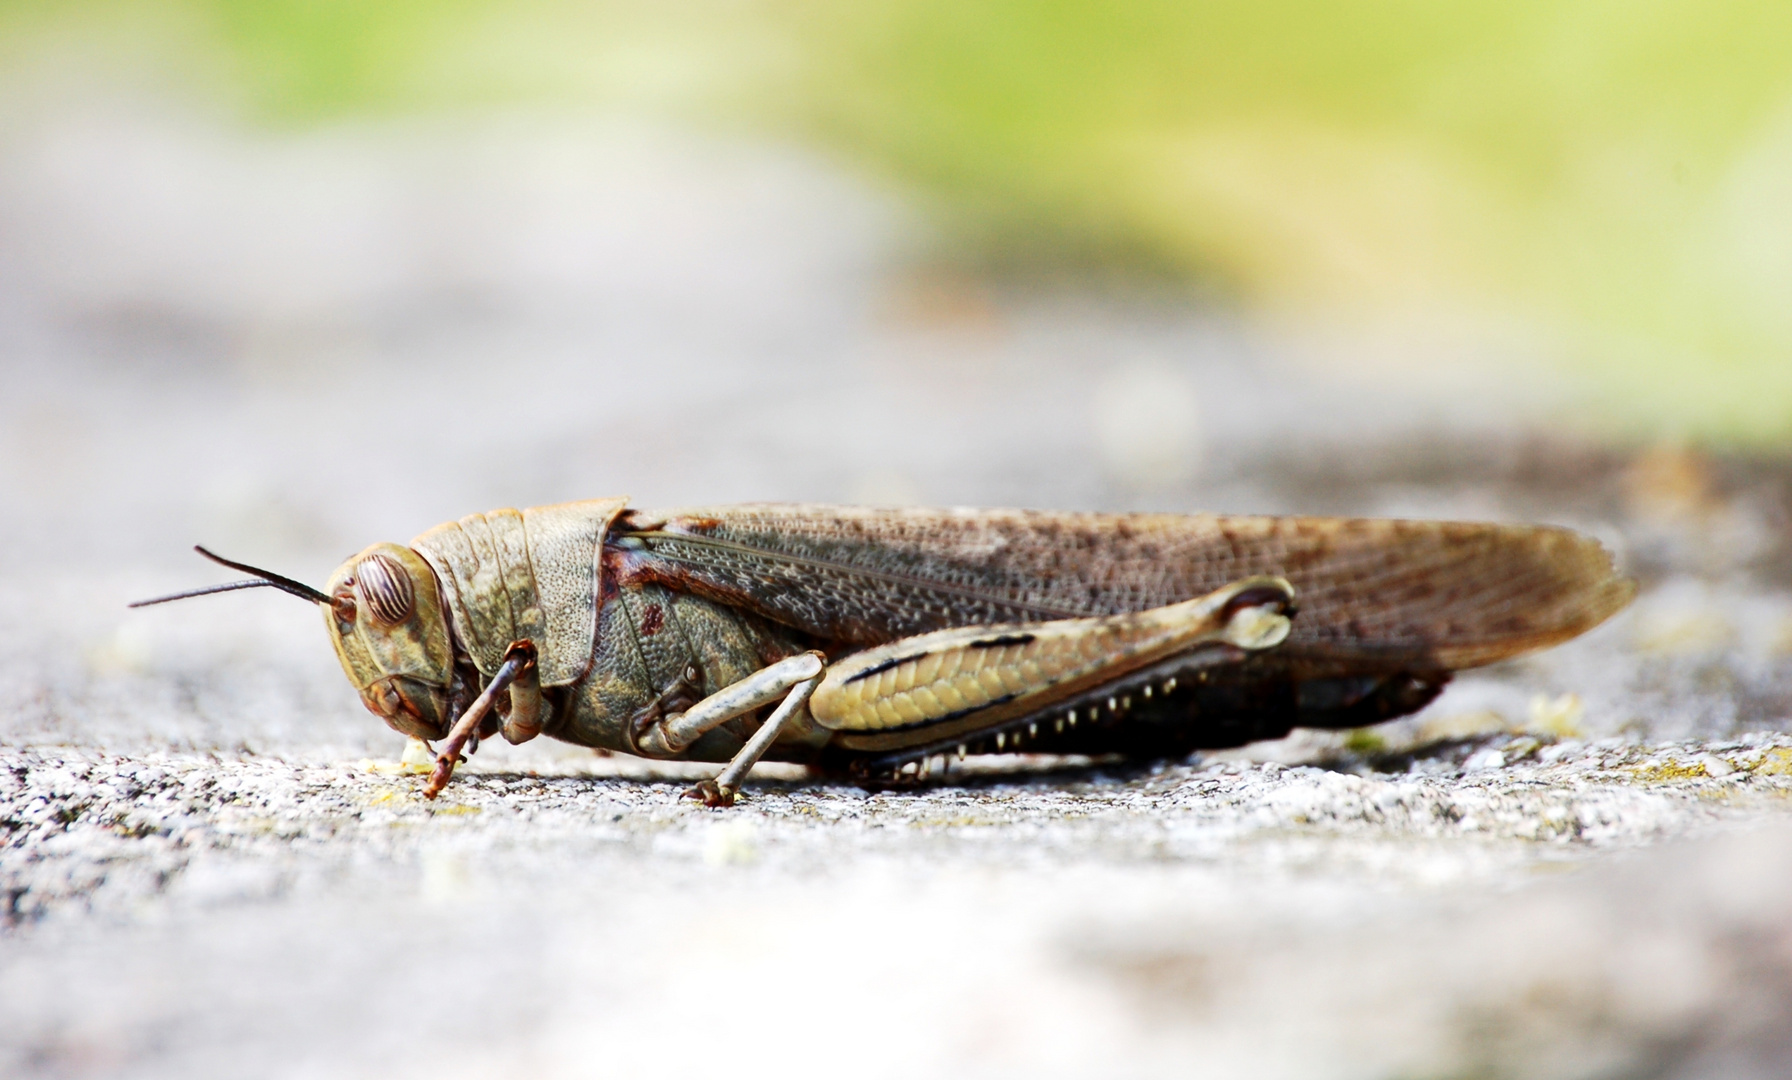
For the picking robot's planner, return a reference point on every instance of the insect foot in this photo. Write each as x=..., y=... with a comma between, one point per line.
x=518, y=658
x=711, y=794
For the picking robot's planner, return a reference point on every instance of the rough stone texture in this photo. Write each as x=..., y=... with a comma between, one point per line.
x=212, y=862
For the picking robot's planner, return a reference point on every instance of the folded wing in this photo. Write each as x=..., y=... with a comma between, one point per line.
x=1374, y=596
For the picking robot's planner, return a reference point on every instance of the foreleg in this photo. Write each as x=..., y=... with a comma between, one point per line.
x=520, y=658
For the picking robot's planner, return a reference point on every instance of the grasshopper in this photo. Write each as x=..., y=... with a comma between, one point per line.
x=881, y=645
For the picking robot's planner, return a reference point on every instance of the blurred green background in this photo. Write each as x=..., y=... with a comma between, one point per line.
x=1595, y=188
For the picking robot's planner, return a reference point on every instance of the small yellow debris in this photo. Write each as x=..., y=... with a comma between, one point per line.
x=1460, y=726
x=1775, y=762
x=1521, y=748
x=417, y=758
x=1656, y=771
x=440, y=810
x=1558, y=717
x=385, y=795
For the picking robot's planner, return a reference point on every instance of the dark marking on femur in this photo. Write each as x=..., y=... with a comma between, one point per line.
x=999, y=642
x=881, y=667
x=386, y=588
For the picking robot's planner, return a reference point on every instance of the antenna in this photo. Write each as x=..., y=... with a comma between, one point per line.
x=263, y=579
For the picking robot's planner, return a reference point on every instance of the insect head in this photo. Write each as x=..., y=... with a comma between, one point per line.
x=386, y=620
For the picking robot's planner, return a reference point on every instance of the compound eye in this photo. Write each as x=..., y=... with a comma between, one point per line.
x=385, y=588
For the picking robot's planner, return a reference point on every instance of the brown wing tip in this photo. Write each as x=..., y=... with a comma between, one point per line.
x=1582, y=589
x=1600, y=603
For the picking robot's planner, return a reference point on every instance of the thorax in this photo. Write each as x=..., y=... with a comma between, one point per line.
x=657, y=652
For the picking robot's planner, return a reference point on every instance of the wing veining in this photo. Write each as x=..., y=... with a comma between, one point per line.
x=1374, y=595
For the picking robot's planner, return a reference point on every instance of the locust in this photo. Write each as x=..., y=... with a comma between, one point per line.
x=883, y=646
